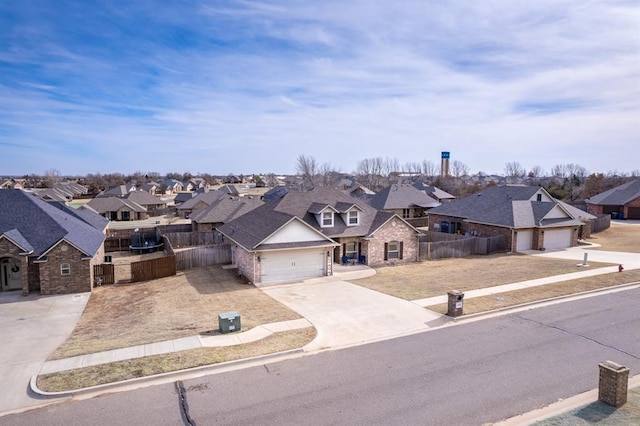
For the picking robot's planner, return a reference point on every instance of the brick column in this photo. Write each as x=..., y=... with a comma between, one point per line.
x=613, y=383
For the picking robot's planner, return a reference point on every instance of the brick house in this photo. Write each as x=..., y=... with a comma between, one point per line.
x=623, y=200
x=302, y=234
x=528, y=217
x=47, y=248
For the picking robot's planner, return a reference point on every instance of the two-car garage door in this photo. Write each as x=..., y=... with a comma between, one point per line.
x=292, y=265
x=557, y=238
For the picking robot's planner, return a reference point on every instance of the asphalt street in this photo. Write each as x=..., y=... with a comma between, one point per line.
x=469, y=374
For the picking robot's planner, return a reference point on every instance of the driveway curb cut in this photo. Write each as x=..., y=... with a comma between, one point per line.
x=138, y=380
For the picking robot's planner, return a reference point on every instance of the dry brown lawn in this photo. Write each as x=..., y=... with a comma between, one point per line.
x=187, y=304
x=435, y=278
x=619, y=237
x=544, y=292
x=158, y=364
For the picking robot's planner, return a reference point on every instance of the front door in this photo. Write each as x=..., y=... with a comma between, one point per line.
x=11, y=274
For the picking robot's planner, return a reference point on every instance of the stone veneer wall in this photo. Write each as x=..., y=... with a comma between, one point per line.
x=78, y=281
x=401, y=232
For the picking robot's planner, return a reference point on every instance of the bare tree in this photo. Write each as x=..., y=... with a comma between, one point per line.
x=559, y=171
x=536, y=172
x=429, y=168
x=459, y=169
x=514, y=169
x=51, y=177
x=307, y=167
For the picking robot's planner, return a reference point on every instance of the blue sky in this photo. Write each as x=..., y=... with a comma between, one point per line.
x=247, y=86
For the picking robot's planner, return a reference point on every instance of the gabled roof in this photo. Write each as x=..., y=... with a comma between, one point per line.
x=253, y=227
x=226, y=209
x=118, y=191
x=508, y=206
x=401, y=196
x=86, y=214
x=114, y=204
x=144, y=198
x=207, y=198
x=618, y=196
x=435, y=192
x=33, y=222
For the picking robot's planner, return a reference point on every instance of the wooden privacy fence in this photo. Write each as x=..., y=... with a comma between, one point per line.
x=203, y=256
x=189, y=239
x=103, y=274
x=461, y=247
x=434, y=236
x=601, y=223
x=152, y=269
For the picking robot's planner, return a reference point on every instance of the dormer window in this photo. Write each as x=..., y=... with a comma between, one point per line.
x=327, y=219
x=353, y=218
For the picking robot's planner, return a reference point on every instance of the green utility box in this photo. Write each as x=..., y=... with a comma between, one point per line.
x=229, y=322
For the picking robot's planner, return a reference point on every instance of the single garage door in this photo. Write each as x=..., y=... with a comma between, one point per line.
x=292, y=265
x=524, y=240
x=633, y=213
x=557, y=238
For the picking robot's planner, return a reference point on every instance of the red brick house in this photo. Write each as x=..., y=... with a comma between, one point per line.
x=302, y=234
x=47, y=248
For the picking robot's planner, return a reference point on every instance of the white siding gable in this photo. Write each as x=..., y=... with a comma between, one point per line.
x=294, y=231
x=557, y=213
x=544, y=197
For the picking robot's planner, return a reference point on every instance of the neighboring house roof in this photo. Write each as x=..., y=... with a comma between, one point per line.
x=435, y=192
x=172, y=183
x=181, y=197
x=207, y=198
x=118, y=191
x=618, y=196
x=114, y=204
x=359, y=189
x=38, y=226
x=229, y=189
x=250, y=229
x=52, y=194
x=510, y=206
x=226, y=209
x=86, y=214
x=401, y=196
x=151, y=186
x=275, y=193
x=144, y=198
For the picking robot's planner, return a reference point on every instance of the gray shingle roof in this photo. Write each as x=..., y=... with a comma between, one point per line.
x=41, y=225
x=618, y=196
x=253, y=227
x=113, y=204
x=226, y=209
x=401, y=196
x=508, y=206
x=207, y=198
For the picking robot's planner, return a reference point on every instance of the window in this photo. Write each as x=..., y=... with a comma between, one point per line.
x=406, y=213
x=354, y=217
x=65, y=269
x=393, y=250
x=539, y=197
x=351, y=250
x=327, y=219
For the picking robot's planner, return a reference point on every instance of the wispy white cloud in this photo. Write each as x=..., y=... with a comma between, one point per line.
x=247, y=86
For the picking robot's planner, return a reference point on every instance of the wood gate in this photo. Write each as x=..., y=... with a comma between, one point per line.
x=103, y=274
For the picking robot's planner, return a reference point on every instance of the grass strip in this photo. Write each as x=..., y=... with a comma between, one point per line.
x=158, y=364
x=548, y=291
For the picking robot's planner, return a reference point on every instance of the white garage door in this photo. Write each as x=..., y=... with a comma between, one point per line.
x=557, y=238
x=524, y=240
x=292, y=265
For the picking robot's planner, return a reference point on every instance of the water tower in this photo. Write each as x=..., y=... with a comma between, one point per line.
x=444, y=164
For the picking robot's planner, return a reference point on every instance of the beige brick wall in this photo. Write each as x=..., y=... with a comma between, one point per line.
x=401, y=232
x=78, y=281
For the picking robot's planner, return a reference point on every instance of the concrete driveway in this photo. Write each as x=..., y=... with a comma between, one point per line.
x=628, y=260
x=345, y=314
x=32, y=328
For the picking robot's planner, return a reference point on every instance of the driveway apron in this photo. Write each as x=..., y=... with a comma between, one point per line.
x=32, y=328
x=345, y=314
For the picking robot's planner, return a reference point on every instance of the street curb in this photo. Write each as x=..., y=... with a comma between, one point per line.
x=163, y=377
x=558, y=299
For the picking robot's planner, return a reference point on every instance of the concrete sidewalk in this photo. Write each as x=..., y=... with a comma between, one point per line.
x=169, y=346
